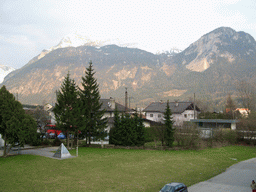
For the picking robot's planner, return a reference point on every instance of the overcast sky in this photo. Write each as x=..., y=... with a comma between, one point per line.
x=29, y=26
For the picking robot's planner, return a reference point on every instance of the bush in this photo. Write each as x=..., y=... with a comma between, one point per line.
x=56, y=142
x=36, y=142
x=187, y=135
x=46, y=142
x=225, y=135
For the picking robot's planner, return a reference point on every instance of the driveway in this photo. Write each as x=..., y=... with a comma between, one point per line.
x=236, y=178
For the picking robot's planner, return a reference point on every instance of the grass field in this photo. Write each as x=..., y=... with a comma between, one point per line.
x=117, y=169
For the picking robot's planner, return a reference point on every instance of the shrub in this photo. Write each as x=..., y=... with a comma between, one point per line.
x=56, y=142
x=46, y=142
x=231, y=136
x=187, y=135
x=36, y=141
x=225, y=135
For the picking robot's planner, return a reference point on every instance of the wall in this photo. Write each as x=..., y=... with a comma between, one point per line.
x=177, y=118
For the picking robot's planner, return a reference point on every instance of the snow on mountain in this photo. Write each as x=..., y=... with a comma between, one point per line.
x=5, y=70
x=74, y=40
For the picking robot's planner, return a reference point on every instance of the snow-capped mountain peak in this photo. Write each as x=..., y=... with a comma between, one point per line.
x=5, y=70
x=74, y=40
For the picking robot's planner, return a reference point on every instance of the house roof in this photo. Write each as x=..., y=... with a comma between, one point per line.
x=176, y=107
x=105, y=105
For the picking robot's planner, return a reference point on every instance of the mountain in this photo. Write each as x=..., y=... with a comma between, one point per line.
x=4, y=70
x=209, y=67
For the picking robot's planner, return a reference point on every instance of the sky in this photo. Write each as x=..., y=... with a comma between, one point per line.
x=29, y=26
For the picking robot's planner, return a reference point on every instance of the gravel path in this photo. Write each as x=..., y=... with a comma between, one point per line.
x=46, y=152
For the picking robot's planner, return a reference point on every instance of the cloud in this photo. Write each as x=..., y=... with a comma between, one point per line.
x=153, y=25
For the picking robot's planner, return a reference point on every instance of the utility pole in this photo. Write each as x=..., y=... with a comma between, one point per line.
x=130, y=101
x=194, y=106
x=126, y=99
x=17, y=96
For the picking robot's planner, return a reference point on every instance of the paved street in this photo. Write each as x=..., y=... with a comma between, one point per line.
x=236, y=178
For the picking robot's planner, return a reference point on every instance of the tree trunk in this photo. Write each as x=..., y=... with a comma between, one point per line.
x=5, y=145
x=77, y=144
x=68, y=140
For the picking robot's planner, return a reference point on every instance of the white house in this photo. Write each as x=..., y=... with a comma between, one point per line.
x=109, y=105
x=181, y=111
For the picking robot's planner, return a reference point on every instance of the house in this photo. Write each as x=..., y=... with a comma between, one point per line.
x=243, y=111
x=181, y=111
x=109, y=105
x=150, y=123
x=207, y=126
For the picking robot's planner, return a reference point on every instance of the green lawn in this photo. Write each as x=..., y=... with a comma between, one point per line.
x=117, y=169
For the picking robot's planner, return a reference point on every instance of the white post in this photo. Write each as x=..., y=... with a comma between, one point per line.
x=77, y=151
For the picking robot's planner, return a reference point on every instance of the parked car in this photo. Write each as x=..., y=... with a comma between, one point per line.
x=61, y=136
x=174, y=187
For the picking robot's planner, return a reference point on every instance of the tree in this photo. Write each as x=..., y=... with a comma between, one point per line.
x=169, y=131
x=247, y=94
x=15, y=125
x=66, y=109
x=41, y=117
x=140, y=136
x=92, y=122
x=230, y=108
x=114, y=133
x=127, y=130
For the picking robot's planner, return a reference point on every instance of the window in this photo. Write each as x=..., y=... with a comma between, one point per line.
x=159, y=115
x=151, y=115
x=185, y=115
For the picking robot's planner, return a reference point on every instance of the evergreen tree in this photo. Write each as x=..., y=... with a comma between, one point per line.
x=126, y=130
x=93, y=123
x=169, y=131
x=141, y=132
x=66, y=108
x=13, y=120
x=114, y=134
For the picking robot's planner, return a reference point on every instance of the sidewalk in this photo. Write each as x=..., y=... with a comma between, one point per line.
x=236, y=178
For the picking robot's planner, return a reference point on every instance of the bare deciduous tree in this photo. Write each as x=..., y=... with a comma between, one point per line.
x=246, y=92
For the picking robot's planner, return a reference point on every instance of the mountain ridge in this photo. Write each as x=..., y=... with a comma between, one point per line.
x=210, y=67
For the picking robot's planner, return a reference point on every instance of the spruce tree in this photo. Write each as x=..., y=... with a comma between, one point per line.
x=169, y=131
x=141, y=132
x=114, y=134
x=92, y=121
x=66, y=108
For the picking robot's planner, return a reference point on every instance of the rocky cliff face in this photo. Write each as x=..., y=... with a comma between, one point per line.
x=208, y=67
x=223, y=42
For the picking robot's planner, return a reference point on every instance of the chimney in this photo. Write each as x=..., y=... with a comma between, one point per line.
x=112, y=103
x=176, y=103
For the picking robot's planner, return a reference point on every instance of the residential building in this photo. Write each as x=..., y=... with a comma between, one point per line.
x=109, y=105
x=181, y=111
x=207, y=126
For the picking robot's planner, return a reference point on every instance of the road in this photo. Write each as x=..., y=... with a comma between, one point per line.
x=236, y=178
